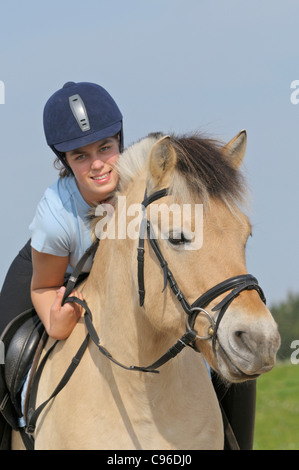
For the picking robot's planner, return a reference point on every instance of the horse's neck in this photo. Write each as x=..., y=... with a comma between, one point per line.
x=112, y=294
x=122, y=327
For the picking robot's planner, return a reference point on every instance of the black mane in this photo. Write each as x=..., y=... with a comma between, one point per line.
x=205, y=168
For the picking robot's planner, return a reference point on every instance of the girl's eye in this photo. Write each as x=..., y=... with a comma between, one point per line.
x=104, y=149
x=80, y=157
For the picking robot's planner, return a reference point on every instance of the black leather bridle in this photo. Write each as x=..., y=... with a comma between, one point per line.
x=235, y=285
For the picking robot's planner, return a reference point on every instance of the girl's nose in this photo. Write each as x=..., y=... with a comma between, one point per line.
x=97, y=163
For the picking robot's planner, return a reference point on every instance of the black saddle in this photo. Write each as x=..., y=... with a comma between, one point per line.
x=20, y=339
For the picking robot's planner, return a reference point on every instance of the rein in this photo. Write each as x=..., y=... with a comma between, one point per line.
x=235, y=285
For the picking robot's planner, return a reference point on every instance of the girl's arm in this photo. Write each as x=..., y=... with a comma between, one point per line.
x=47, y=295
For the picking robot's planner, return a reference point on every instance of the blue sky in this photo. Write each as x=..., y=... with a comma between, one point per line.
x=172, y=66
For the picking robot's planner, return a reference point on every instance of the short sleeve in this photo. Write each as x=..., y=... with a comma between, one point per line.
x=49, y=230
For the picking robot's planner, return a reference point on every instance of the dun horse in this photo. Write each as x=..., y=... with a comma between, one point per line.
x=189, y=285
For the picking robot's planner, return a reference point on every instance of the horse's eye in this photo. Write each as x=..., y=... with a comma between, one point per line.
x=177, y=239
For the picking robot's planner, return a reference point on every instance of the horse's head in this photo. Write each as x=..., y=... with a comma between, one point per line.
x=202, y=233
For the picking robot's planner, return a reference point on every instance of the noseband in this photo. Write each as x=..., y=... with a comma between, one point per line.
x=235, y=285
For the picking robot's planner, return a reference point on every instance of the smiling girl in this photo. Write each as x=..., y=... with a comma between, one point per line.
x=83, y=126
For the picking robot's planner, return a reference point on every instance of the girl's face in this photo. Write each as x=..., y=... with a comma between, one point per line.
x=93, y=168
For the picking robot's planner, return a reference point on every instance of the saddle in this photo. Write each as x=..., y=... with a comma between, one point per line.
x=20, y=338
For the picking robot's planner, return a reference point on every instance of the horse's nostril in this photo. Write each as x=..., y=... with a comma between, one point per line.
x=242, y=339
x=238, y=334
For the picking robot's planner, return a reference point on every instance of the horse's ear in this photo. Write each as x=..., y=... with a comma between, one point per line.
x=162, y=160
x=235, y=149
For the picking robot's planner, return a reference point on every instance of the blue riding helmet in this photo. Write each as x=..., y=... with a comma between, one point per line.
x=80, y=114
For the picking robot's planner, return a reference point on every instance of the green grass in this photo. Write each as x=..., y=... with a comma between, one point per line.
x=277, y=409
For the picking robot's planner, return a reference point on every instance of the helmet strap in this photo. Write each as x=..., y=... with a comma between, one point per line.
x=62, y=158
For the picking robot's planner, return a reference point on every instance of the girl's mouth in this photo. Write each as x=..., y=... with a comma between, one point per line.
x=101, y=179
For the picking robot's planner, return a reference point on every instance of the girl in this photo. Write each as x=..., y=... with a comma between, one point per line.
x=83, y=126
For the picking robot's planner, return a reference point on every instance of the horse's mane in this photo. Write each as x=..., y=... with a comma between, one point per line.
x=132, y=160
x=201, y=167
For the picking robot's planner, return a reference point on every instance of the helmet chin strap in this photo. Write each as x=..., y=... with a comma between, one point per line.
x=62, y=159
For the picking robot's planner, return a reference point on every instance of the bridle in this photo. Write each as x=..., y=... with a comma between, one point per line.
x=235, y=285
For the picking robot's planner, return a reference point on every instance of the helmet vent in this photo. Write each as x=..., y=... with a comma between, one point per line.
x=79, y=111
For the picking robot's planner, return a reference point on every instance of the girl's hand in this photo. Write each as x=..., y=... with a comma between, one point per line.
x=63, y=319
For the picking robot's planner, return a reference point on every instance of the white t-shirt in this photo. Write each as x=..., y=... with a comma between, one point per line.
x=61, y=224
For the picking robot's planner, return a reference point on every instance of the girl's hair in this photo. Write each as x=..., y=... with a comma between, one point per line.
x=63, y=171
